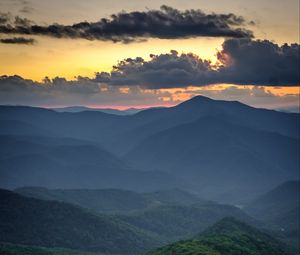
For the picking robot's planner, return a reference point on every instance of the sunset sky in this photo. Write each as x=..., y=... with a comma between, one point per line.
x=149, y=53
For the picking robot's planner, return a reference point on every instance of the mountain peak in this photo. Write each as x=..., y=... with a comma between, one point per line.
x=199, y=98
x=196, y=100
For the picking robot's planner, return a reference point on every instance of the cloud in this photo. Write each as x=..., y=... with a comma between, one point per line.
x=17, y=40
x=10, y=23
x=5, y=18
x=241, y=61
x=161, y=71
x=83, y=91
x=61, y=92
x=82, y=86
x=125, y=27
x=259, y=62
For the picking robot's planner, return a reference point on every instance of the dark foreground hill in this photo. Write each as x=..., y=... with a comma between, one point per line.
x=227, y=237
x=55, y=224
x=19, y=249
x=169, y=214
x=176, y=222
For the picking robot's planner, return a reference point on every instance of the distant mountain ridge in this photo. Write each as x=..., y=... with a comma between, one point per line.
x=75, y=109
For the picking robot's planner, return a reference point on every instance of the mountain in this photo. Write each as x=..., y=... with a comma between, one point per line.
x=31, y=221
x=75, y=109
x=70, y=163
x=168, y=214
x=247, y=237
x=104, y=200
x=279, y=208
x=220, y=159
x=174, y=197
x=86, y=125
x=112, y=200
x=175, y=222
x=105, y=128
x=183, y=141
x=148, y=122
x=16, y=127
x=286, y=227
x=227, y=237
x=273, y=203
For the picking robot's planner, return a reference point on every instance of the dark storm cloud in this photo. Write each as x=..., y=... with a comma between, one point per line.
x=162, y=71
x=17, y=40
x=166, y=23
x=259, y=62
x=241, y=61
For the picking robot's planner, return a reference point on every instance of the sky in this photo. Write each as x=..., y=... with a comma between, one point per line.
x=122, y=54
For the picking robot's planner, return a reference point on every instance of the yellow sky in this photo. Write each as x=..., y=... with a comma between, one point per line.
x=69, y=58
x=275, y=20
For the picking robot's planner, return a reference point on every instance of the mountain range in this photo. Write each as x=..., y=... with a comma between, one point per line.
x=105, y=110
x=167, y=214
x=222, y=150
x=31, y=221
x=52, y=227
x=175, y=214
